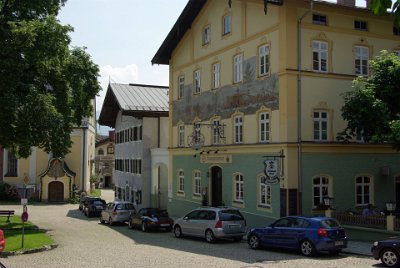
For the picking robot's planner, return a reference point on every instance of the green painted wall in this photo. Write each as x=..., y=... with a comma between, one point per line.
x=343, y=169
x=250, y=165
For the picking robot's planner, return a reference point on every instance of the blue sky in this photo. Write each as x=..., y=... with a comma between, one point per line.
x=122, y=37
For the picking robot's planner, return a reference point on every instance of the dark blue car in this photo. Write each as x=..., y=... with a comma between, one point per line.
x=308, y=235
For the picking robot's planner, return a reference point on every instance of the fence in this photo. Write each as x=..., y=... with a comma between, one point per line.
x=372, y=221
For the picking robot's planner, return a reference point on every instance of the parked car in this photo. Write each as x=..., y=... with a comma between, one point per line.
x=93, y=206
x=309, y=235
x=388, y=251
x=2, y=241
x=212, y=223
x=117, y=211
x=151, y=218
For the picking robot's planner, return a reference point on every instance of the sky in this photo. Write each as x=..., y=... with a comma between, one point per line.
x=122, y=36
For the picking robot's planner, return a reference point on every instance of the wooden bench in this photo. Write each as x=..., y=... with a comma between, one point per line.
x=7, y=213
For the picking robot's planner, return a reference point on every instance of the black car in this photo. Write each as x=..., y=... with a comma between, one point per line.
x=388, y=251
x=151, y=218
x=93, y=206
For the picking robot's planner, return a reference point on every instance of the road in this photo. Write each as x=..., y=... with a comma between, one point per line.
x=84, y=242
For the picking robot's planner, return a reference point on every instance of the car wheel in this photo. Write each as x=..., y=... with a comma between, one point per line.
x=307, y=248
x=253, y=241
x=110, y=221
x=210, y=236
x=130, y=225
x=101, y=219
x=390, y=258
x=144, y=227
x=178, y=231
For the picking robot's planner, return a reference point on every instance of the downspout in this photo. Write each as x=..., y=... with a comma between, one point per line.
x=83, y=186
x=299, y=134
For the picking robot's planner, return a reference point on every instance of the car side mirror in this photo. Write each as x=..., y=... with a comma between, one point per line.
x=186, y=218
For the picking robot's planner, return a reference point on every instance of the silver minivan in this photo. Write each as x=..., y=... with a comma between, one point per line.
x=212, y=223
x=117, y=211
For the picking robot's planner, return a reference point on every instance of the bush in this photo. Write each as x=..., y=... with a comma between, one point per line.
x=3, y=190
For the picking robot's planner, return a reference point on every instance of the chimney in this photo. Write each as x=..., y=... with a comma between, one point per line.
x=111, y=134
x=349, y=3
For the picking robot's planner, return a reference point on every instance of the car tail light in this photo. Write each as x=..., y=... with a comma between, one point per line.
x=218, y=224
x=322, y=232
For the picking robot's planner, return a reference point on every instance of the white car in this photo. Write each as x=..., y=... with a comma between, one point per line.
x=117, y=211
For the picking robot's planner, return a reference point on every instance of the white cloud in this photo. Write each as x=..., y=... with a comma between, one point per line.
x=124, y=75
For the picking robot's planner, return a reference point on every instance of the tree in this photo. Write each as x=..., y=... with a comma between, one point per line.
x=46, y=87
x=380, y=7
x=372, y=109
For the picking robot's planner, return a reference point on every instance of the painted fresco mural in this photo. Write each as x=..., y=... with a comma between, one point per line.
x=247, y=97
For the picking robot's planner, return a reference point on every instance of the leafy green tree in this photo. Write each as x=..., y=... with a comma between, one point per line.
x=372, y=109
x=380, y=7
x=46, y=87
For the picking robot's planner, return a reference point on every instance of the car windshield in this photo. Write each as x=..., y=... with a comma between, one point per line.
x=157, y=213
x=129, y=206
x=230, y=215
x=330, y=223
x=98, y=202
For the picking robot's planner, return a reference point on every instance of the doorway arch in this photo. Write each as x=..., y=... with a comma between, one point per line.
x=56, y=191
x=216, y=186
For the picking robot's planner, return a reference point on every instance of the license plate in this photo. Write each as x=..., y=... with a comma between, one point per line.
x=99, y=207
x=339, y=243
x=234, y=225
x=164, y=225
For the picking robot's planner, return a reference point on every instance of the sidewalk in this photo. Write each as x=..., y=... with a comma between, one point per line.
x=358, y=248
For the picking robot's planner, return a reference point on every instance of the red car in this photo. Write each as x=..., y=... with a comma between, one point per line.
x=2, y=241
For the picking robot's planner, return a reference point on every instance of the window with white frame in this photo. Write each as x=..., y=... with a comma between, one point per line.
x=197, y=78
x=197, y=183
x=226, y=24
x=206, y=35
x=238, y=68
x=363, y=190
x=320, y=126
x=264, y=126
x=215, y=131
x=263, y=54
x=12, y=165
x=238, y=129
x=320, y=190
x=361, y=57
x=216, y=75
x=181, y=136
x=239, y=187
x=320, y=56
x=360, y=25
x=181, y=181
x=181, y=86
x=265, y=193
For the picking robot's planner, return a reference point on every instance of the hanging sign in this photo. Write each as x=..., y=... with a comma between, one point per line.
x=271, y=171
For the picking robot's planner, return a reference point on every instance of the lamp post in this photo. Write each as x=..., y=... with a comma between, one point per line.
x=390, y=207
x=328, y=201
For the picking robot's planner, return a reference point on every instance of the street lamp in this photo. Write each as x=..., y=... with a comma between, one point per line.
x=328, y=201
x=390, y=206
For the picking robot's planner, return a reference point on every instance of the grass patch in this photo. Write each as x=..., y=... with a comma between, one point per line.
x=32, y=239
x=95, y=192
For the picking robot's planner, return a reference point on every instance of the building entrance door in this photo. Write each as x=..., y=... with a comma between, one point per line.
x=56, y=191
x=216, y=186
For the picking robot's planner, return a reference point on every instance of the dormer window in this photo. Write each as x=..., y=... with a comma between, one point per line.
x=360, y=25
x=319, y=19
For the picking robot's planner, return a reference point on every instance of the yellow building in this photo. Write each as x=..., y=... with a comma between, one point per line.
x=49, y=179
x=255, y=99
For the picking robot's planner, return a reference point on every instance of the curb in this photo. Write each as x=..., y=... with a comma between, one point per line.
x=28, y=251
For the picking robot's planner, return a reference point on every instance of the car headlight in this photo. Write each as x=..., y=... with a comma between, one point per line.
x=376, y=243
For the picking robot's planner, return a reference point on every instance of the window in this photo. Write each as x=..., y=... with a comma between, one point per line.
x=263, y=54
x=197, y=183
x=320, y=56
x=226, y=24
x=216, y=75
x=320, y=190
x=181, y=86
x=181, y=136
x=265, y=193
x=320, y=126
x=396, y=30
x=238, y=68
x=139, y=197
x=361, y=60
x=264, y=127
x=360, y=25
x=110, y=150
x=238, y=188
x=197, y=82
x=319, y=19
x=363, y=187
x=206, y=35
x=100, y=151
x=215, y=131
x=238, y=129
x=12, y=165
x=181, y=178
